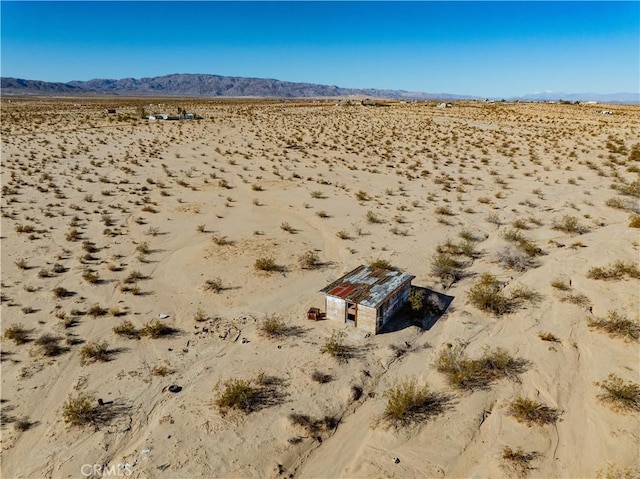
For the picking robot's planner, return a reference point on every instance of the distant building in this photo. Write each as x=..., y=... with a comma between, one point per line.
x=111, y=111
x=367, y=298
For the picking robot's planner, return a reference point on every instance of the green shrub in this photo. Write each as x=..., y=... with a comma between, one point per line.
x=532, y=412
x=447, y=268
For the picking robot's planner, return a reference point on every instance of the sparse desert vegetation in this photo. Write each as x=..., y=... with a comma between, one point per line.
x=140, y=258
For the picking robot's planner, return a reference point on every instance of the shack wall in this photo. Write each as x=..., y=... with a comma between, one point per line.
x=335, y=308
x=367, y=318
x=394, y=302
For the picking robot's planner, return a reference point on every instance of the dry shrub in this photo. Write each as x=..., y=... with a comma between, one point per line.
x=518, y=461
x=80, y=411
x=95, y=351
x=267, y=264
x=487, y=295
x=469, y=374
x=156, y=329
x=569, y=224
x=127, y=329
x=617, y=325
x=409, y=403
x=618, y=395
x=309, y=260
x=17, y=333
x=214, y=285
x=616, y=271
x=532, y=412
x=321, y=377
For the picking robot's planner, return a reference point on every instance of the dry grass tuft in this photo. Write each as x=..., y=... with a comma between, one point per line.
x=617, y=325
x=618, y=395
x=532, y=412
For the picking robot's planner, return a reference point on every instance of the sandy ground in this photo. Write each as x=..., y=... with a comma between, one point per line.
x=162, y=199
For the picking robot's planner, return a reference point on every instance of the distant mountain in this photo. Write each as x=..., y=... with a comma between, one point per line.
x=196, y=85
x=599, y=97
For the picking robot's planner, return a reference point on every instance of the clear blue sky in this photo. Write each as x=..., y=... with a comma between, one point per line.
x=479, y=48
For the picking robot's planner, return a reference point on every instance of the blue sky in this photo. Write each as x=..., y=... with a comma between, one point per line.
x=496, y=49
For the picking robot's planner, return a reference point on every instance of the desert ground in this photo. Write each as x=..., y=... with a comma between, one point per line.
x=139, y=255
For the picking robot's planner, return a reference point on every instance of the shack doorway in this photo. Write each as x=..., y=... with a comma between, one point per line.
x=351, y=313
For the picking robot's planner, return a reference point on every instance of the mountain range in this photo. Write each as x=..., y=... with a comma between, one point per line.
x=202, y=85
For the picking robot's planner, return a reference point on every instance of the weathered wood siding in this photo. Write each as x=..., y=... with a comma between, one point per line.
x=366, y=318
x=393, y=303
x=335, y=308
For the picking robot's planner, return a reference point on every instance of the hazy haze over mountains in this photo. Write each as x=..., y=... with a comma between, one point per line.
x=204, y=85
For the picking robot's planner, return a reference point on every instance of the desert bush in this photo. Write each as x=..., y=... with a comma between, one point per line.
x=321, y=377
x=96, y=310
x=362, y=196
x=60, y=292
x=532, y=412
x=309, y=260
x=342, y=234
x=494, y=218
x=408, y=403
x=127, y=329
x=17, y=333
x=313, y=427
x=239, y=394
x=569, y=224
x=49, y=345
x=214, y=285
x=487, y=295
x=161, y=370
x=416, y=299
x=619, y=395
x=21, y=263
x=22, y=424
x=444, y=210
x=548, y=337
x=373, y=218
x=143, y=248
x=447, y=268
x=617, y=325
x=469, y=374
x=221, y=240
x=156, y=329
x=518, y=461
x=380, y=264
x=616, y=271
x=267, y=264
x=512, y=258
x=273, y=326
x=334, y=346
x=560, y=284
x=95, y=351
x=287, y=227
x=91, y=277
x=634, y=221
x=80, y=411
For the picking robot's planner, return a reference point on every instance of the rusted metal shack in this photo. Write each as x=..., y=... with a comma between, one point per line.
x=367, y=298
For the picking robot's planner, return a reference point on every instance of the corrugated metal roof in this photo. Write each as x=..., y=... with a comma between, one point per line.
x=366, y=286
